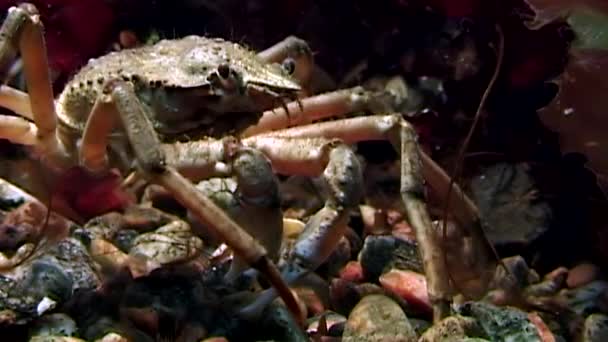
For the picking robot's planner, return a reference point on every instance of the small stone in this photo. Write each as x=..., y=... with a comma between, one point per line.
x=378, y=318
x=343, y=295
x=595, y=328
x=518, y=275
x=382, y=253
x=352, y=272
x=582, y=274
x=400, y=228
x=501, y=323
x=420, y=325
x=287, y=328
x=192, y=331
x=410, y=286
x=112, y=337
x=339, y=257
x=454, y=328
x=588, y=298
x=54, y=339
x=537, y=294
x=57, y=324
x=215, y=339
x=144, y=318
x=374, y=220
x=331, y=319
x=558, y=273
x=127, y=39
x=543, y=331
x=310, y=299
x=171, y=243
x=292, y=228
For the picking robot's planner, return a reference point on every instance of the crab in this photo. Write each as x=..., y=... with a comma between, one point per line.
x=189, y=109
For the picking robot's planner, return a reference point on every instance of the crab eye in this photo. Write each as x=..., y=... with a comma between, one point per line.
x=289, y=65
x=223, y=70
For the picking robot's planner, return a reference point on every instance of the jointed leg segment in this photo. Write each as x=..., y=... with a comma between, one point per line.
x=342, y=175
x=22, y=31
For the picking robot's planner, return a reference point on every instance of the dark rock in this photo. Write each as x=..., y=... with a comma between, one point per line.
x=501, y=323
x=382, y=253
x=506, y=197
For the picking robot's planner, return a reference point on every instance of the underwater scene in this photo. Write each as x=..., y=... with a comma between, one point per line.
x=325, y=171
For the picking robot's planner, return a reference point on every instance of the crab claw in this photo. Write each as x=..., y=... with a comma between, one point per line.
x=343, y=181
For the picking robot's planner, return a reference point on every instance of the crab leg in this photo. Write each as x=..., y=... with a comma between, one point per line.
x=152, y=162
x=403, y=137
x=22, y=31
x=16, y=101
x=342, y=174
x=310, y=109
x=17, y=130
x=298, y=50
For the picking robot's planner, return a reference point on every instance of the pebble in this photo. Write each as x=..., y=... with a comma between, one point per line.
x=382, y=253
x=215, y=339
x=339, y=257
x=112, y=337
x=374, y=220
x=410, y=286
x=57, y=324
x=331, y=319
x=310, y=300
x=454, y=327
x=54, y=339
x=352, y=271
x=378, y=318
x=595, y=328
x=582, y=274
x=543, y=331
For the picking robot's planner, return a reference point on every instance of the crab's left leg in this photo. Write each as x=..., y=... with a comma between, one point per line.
x=302, y=150
x=22, y=31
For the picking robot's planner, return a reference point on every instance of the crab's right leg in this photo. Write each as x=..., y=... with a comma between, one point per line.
x=120, y=102
x=312, y=108
x=22, y=31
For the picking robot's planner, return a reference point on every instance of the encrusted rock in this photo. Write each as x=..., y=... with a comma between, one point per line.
x=506, y=197
x=587, y=299
x=595, y=328
x=378, y=318
x=57, y=324
x=410, y=286
x=501, y=323
x=41, y=284
x=454, y=328
x=331, y=320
